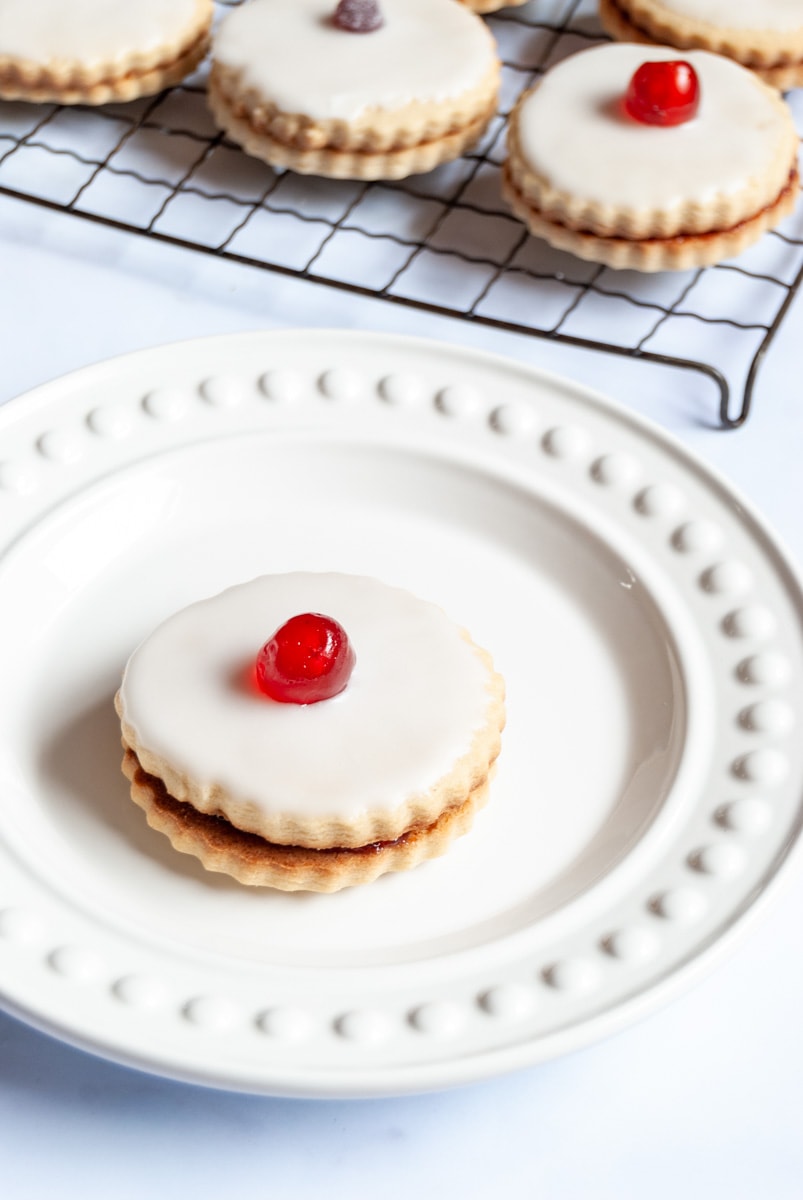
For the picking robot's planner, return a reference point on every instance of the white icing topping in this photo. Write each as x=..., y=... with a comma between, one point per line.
x=776, y=15
x=574, y=133
x=414, y=700
x=91, y=31
x=290, y=52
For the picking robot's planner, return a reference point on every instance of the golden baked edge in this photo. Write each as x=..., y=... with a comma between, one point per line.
x=253, y=861
x=679, y=253
x=387, y=144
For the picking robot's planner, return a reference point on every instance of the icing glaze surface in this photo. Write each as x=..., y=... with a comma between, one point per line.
x=776, y=15
x=415, y=698
x=91, y=31
x=290, y=52
x=736, y=136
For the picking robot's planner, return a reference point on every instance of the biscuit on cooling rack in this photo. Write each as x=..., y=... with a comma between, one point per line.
x=360, y=89
x=588, y=177
x=764, y=35
x=98, y=51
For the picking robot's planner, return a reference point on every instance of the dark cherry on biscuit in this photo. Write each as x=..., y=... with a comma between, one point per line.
x=358, y=16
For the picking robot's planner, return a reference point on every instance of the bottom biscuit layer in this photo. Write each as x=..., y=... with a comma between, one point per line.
x=678, y=253
x=344, y=163
x=48, y=88
x=252, y=860
x=619, y=25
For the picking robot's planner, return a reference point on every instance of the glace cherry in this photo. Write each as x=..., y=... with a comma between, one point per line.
x=307, y=659
x=358, y=16
x=663, y=93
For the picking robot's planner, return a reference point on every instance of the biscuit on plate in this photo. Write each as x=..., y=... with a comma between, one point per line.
x=97, y=51
x=597, y=166
x=359, y=89
x=370, y=760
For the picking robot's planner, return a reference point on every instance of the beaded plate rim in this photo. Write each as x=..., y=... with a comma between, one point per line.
x=85, y=985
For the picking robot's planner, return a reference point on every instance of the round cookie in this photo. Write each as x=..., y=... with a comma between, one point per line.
x=97, y=51
x=589, y=178
x=765, y=35
x=321, y=795
x=398, y=100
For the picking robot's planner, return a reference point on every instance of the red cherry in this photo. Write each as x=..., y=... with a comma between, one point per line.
x=663, y=93
x=307, y=659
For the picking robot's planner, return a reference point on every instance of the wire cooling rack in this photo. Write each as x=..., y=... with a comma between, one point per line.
x=442, y=242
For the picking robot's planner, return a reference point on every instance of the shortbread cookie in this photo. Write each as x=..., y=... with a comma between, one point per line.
x=765, y=35
x=254, y=861
x=588, y=177
x=363, y=92
x=96, y=51
x=233, y=756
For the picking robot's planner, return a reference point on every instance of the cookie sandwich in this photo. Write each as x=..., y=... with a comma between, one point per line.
x=632, y=157
x=362, y=89
x=97, y=51
x=765, y=35
x=310, y=731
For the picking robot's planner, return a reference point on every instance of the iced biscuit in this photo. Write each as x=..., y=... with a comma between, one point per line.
x=97, y=51
x=318, y=795
x=586, y=176
x=765, y=35
x=382, y=98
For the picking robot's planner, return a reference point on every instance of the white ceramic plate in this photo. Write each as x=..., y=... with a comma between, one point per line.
x=648, y=626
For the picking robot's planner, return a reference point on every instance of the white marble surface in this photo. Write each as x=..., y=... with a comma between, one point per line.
x=703, y=1099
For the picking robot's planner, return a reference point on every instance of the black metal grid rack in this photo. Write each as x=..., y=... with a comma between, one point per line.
x=443, y=242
